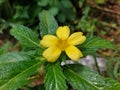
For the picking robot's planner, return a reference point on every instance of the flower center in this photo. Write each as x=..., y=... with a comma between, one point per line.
x=62, y=44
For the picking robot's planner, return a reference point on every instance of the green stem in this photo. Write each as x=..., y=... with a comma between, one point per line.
x=96, y=63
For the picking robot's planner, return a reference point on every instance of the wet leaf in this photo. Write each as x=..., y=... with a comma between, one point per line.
x=54, y=78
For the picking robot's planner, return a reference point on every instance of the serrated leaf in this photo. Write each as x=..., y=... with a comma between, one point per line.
x=54, y=78
x=25, y=81
x=17, y=81
x=13, y=63
x=25, y=36
x=94, y=43
x=48, y=24
x=13, y=57
x=80, y=78
x=111, y=84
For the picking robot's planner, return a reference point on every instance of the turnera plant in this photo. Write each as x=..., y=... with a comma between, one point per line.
x=62, y=42
x=18, y=69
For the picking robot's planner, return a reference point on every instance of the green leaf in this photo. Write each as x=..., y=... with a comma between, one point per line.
x=13, y=63
x=25, y=36
x=2, y=82
x=82, y=78
x=53, y=11
x=14, y=57
x=88, y=74
x=87, y=25
x=43, y=2
x=48, y=24
x=54, y=78
x=17, y=81
x=111, y=84
x=21, y=12
x=94, y=43
x=61, y=18
x=66, y=8
x=66, y=4
x=4, y=48
x=26, y=81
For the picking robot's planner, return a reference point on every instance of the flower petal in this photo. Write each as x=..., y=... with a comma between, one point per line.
x=52, y=54
x=73, y=53
x=63, y=32
x=49, y=40
x=76, y=38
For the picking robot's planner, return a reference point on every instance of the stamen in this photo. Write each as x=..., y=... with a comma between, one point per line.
x=62, y=44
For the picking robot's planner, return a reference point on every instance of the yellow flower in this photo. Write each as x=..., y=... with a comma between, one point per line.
x=62, y=42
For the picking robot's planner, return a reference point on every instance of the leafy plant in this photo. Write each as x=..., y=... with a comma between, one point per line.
x=18, y=68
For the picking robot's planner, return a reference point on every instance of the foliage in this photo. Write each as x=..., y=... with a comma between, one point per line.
x=46, y=27
x=19, y=68
x=76, y=76
x=26, y=36
x=93, y=43
x=54, y=76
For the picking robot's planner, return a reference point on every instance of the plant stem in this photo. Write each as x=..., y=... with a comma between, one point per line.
x=96, y=63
